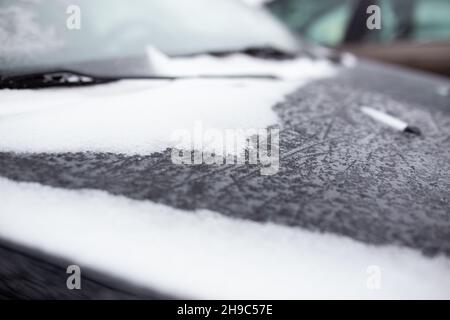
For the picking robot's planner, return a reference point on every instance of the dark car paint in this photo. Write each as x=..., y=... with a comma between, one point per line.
x=340, y=172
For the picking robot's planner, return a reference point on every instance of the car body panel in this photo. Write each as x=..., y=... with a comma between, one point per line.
x=341, y=173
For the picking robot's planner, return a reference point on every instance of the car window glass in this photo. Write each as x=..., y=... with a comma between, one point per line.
x=431, y=20
x=330, y=28
x=389, y=23
x=34, y=34
x=426, y=20
x=322, y=21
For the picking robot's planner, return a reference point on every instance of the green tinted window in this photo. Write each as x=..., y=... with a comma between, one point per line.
x=326, y=21
x=323, y=21
x=330, y=28
x=426, y=20
x=390, y=23
x=431, y=20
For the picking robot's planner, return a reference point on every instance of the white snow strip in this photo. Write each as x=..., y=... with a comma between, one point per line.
x=349, y=60
x=385, y=118
x=206, y=255
x=140, y=117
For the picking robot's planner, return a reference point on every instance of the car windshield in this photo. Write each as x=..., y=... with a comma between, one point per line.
x=102, y=34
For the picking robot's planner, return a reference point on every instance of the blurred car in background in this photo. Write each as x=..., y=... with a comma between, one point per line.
x=414, y=33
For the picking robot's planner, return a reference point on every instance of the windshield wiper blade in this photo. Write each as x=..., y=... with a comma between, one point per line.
x=67, y=78
x=273, y=53
x=59, y=78
x=263, y=52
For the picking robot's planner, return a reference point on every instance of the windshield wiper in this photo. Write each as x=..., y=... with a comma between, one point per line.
x=68, y=78
x=59, y=78
x=263, y=52
x=273, y=53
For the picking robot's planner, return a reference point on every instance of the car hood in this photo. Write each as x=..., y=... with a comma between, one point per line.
x=351, y=196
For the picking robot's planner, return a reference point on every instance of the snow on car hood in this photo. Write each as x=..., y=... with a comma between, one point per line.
x=138, y=117
x=206, y=255
x=199, y=253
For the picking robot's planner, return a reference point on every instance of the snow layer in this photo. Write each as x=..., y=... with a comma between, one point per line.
x=238, y=64
x=206, y=255
x=139, y=117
